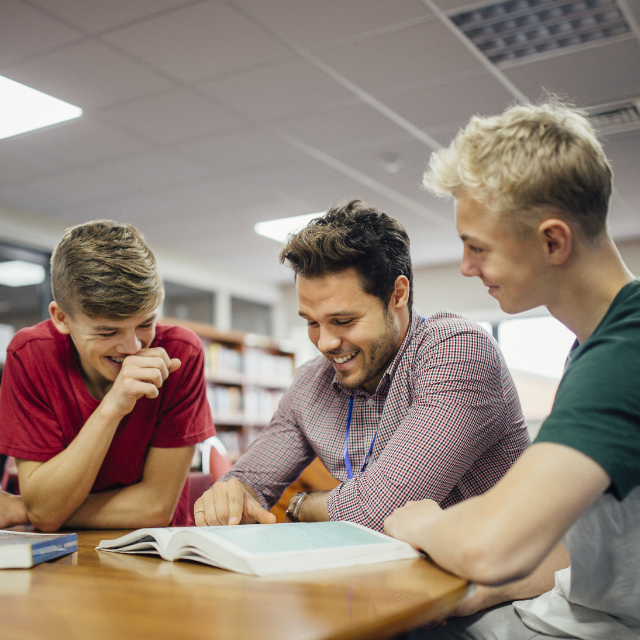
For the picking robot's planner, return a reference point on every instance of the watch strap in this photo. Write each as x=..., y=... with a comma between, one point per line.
x=293, y=509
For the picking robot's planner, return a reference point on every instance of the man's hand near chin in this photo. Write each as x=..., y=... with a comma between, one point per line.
x=12, y=510
x=230, y=503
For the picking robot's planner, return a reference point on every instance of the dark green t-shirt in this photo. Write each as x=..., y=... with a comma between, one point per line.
x=597, y=406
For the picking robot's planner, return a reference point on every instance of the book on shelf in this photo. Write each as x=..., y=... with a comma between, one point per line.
x=266, y=550
x=223, y=362
x=232, y=441
x=233, y=405
x=266, y=369
x=21, y=549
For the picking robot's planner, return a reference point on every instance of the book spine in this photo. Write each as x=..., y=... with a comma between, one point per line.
x=50, y=549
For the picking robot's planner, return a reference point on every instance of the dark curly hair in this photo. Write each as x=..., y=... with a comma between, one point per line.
x=353, y=235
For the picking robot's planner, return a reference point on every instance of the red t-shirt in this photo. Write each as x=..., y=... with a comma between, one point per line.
x=44, y=404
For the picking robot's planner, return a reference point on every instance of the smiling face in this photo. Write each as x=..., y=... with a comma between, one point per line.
x=103, y=344
x=351, y=328
x=510, y=263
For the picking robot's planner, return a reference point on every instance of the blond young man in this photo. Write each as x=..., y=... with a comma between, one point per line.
x=532, y=189
x=101, y=405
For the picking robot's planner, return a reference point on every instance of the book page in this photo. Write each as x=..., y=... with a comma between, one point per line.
x=305, y=536
x=155, y=539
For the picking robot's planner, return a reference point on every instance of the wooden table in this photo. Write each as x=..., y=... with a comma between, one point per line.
x=93, y=595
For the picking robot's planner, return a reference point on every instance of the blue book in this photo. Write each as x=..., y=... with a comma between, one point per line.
x=21, y=550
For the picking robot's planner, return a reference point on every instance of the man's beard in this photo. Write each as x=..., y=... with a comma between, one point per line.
x=381, y=353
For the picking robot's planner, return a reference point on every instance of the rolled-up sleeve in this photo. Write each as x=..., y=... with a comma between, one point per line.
x=458, y=412
x=277, y=457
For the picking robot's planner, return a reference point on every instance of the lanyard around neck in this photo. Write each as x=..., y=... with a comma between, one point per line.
x=347, y=460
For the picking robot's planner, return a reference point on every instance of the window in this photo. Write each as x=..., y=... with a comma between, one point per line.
x=188, y=303
x=535, y=350
x=251, y=317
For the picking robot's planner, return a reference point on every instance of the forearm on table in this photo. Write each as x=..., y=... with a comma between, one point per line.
x=148, y=503
x=53, y=490
x=507, y=532
x=539, y=581
x=131, y=507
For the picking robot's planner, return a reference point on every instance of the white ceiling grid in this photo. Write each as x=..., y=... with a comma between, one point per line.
x=203, y=117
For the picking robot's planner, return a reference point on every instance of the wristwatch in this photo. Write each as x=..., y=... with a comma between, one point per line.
x=293, y=510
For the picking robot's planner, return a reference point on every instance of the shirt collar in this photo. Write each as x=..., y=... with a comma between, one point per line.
x=415, y=319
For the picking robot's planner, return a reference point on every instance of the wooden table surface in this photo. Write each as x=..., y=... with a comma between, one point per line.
x=93, y=595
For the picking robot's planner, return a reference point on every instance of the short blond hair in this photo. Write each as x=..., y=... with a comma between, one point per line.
x=529, y=160
x=105, y=270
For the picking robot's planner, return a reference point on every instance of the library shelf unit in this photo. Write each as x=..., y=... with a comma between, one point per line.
x=247, y=375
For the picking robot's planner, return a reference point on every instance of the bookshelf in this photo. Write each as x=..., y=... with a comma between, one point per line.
x=247, y=376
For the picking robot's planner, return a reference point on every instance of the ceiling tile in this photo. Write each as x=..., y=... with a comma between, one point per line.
x=172, y=117
x=335, y=128
x=88, y=75
x=407, y=57
x=407, y=160
x=199, y=41
x=26, y=32
x=29, y=199
x=313, y=23
x=451, y=103
x=238, y=249
x=18, y=164
x=154, y=169
x=79, y=186
x=278, y=90
x=240, y=150
x=312, y=197
x=590, y=77
x=94, y=17
x=79, y=142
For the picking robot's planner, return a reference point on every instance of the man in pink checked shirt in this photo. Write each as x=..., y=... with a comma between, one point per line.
x=398, y=407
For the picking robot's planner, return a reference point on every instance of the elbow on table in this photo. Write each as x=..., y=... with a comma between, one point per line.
x=46, y=522
x=489, y=564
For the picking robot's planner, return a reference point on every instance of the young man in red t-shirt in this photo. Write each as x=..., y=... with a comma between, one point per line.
x=101, y=406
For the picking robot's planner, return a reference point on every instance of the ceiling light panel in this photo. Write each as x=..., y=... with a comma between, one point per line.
x=518, y=28
x=24, y=109
x=280, y=229
x=17, y=273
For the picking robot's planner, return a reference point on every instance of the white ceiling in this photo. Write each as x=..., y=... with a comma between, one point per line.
x=204, y=117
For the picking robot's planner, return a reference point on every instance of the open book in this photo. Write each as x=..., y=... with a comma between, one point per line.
x=265, y=550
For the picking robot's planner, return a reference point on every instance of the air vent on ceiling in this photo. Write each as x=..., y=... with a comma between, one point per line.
x=616, y=118
x=517, y=28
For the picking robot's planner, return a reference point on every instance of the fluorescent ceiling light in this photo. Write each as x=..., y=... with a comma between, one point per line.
x=281, y=228
x=25, y=109
x=17, y=273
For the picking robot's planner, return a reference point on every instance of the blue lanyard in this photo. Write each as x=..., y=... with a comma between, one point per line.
x=347, y=460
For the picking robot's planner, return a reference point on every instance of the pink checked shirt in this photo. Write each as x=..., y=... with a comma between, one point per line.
x=450, y=426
